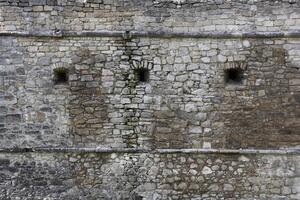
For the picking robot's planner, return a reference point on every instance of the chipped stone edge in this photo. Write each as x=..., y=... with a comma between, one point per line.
x=159, y=34
x=144, y=150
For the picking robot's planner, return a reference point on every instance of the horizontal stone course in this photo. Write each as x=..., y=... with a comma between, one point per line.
x=158, y=34
x=144, y=150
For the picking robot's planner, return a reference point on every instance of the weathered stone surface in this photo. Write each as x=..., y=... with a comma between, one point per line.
x=149, y=74
x=206, y=170
x=120, y=176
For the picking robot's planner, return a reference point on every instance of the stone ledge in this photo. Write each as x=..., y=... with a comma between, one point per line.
x=143, y=150
x=161, y=34
x=231, y=151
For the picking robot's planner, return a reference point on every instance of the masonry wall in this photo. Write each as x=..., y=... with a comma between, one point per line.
x=148, y=176
x=103, y=134
x=50, y=16
x=186, y=103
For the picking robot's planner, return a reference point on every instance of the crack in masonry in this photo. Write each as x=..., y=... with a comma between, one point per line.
x=131, y=139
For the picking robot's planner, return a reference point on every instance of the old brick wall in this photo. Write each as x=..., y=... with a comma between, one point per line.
x=188, y=102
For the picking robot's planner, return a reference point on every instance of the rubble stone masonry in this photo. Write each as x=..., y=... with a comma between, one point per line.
x=149, y=99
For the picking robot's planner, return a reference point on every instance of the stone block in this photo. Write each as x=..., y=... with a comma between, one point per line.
x=13, y=118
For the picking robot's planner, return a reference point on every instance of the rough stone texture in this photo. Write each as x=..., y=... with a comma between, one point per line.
x=185, y=103
x=194, y=16
x=188, y=46
x=148, y=176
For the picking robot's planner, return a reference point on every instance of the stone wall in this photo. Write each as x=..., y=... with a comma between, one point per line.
x=149, y=93
x=149, y=176
x=186, y=104
x=55, y=16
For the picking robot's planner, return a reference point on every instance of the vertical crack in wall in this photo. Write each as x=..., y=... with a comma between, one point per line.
x=131, y=117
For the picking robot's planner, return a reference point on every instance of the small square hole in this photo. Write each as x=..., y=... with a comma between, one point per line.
x=60, y=75
x=234, y=76
x=142, y=74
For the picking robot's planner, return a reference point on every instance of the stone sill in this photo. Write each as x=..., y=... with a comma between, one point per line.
x=155, y=151
x=160, y=34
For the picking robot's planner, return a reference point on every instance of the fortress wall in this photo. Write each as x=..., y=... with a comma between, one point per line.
x=186, y=103
x=149, y=15
x=148, y=176
x=217, y=74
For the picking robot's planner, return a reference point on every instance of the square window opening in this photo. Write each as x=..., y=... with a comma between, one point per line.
x=142, y=74
x=60, y=75
x=234, y=76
